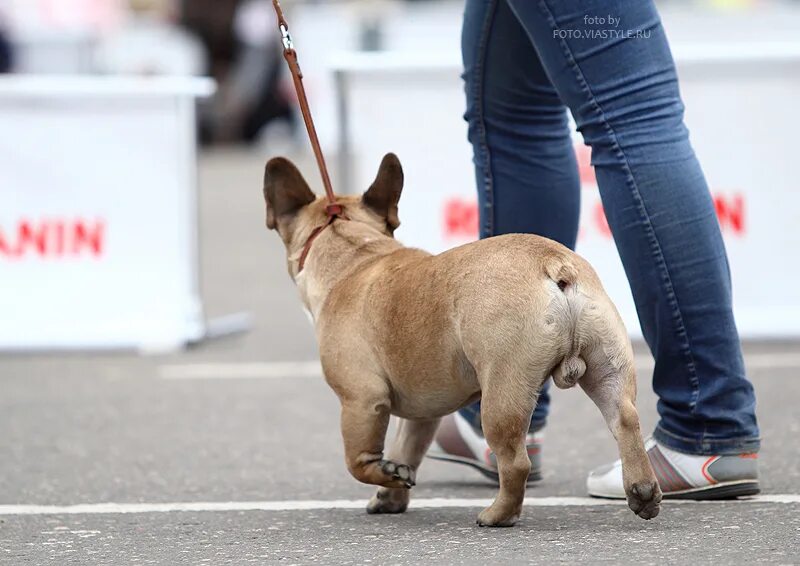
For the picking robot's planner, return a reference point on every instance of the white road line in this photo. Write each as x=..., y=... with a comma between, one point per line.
x=312, y=505
x=280, y=370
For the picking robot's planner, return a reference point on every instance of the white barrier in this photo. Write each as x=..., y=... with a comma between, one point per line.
x=98, y=212
x=742, y=113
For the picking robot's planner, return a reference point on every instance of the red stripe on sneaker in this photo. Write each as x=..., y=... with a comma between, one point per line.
x=681, y=482
x=670, y=478
x=662, y=470
x=704, y=469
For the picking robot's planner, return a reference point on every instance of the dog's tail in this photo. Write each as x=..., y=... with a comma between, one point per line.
x=562, y=271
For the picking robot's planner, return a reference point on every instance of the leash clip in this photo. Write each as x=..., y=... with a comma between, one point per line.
x=286, y=37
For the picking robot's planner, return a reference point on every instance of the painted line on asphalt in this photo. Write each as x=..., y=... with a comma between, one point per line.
x=314, y=505
x=281, y=370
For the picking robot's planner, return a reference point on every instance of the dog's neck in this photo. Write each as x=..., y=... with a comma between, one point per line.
x=337, y=251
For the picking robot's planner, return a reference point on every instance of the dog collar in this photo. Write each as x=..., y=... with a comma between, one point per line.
x=334, y=211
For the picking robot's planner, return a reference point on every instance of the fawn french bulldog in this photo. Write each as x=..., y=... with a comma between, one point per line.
x=406, y=333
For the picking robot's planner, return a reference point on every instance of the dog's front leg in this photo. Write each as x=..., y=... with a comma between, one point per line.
x=364, y=422
x=409, y=447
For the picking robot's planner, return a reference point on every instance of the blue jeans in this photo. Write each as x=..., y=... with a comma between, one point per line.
x=526, y=63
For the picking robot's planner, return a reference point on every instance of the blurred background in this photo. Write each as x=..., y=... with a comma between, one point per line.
x=179, y=102
x=133, y=136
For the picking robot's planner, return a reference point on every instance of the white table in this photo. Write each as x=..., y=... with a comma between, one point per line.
x=98, y=212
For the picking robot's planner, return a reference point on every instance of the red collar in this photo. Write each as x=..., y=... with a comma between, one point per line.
x=334, y=211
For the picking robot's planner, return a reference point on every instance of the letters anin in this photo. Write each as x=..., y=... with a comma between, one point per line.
x=52, y=238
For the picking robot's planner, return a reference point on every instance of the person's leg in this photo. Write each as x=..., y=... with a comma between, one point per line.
x=525, y=166
x=623, y=92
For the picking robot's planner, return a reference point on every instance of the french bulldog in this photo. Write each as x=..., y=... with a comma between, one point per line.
x=406, y=333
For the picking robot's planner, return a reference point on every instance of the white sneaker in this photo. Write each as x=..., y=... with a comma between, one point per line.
x=684, y=476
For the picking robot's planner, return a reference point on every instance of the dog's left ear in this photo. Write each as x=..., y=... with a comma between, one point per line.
x=285, y=190
x=384, y=193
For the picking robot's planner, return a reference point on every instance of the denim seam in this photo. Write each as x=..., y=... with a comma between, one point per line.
x=644, y=216
x=486, y=160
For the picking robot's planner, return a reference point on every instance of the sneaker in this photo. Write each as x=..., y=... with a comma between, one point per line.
x=684, y=476
x=457, y=441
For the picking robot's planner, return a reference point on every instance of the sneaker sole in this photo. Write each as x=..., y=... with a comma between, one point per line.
x=725, y=490
x=486, y=471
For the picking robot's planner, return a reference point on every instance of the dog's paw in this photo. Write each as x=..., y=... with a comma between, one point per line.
x=492, y=517
x=388, y=500
x=644, y=499
x=401, y=475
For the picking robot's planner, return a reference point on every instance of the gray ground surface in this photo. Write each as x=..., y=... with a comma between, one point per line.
x=107, y=428
x=722, y=533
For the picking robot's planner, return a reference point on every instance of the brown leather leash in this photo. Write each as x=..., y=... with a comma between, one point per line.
x=333, y=209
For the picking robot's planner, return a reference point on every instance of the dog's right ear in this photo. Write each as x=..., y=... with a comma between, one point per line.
x=285, y=191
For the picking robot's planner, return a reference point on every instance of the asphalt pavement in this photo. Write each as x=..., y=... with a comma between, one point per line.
x=229, y=452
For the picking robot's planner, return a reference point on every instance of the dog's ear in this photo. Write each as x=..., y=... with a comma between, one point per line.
x=285, y=190
x=384, y=193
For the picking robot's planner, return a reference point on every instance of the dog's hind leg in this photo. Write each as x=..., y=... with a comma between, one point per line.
x=506, y=410
x=610, y=381
x=409, y=447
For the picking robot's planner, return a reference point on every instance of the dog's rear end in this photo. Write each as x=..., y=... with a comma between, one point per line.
x=540, y=311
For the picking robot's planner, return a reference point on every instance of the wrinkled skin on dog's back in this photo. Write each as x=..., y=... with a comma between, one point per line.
x=407, y=333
